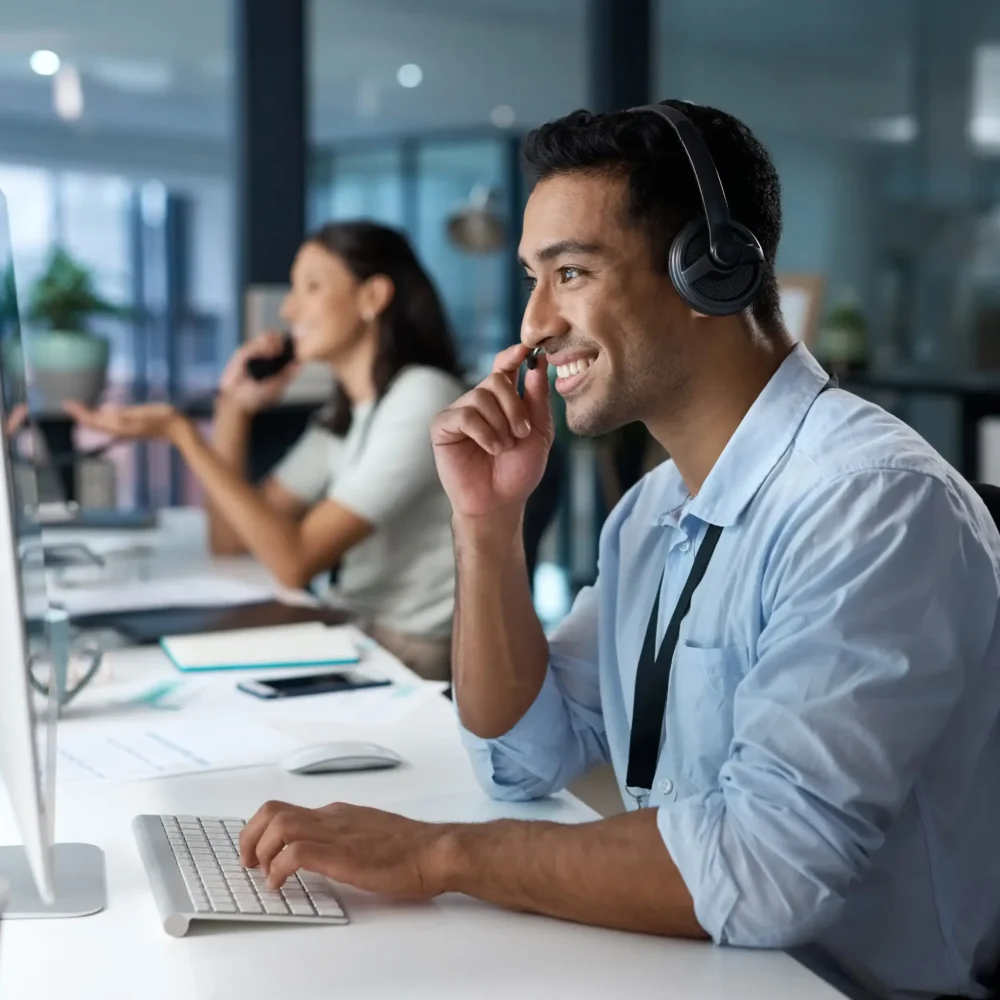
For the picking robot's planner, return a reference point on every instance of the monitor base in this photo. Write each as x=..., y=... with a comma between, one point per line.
x=78, y=875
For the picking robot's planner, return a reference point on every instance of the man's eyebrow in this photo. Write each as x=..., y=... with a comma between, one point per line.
x=554, y=250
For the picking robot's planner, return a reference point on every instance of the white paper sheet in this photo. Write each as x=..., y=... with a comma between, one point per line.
x=135, y=751
x=194, y=590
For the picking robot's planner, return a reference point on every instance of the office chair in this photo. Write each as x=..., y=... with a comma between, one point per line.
x=990, y=495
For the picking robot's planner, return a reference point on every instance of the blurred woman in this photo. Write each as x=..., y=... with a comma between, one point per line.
x=359, y=490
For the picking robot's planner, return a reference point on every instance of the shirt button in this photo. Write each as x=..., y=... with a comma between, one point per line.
x=684, y=546
x=666, y=786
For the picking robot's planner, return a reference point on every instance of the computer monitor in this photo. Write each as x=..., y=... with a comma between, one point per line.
x=46, y=879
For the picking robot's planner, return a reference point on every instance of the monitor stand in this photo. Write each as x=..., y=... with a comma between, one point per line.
x=77, y=874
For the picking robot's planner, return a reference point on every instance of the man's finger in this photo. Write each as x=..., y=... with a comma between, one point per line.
x=462, y=423
x=508, y=361
x=284, y=829
x=303, y=854
x=254, y=827
x=536, y=399
x=486, y=403
x=514, y=410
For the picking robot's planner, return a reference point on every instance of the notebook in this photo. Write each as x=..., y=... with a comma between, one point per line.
x=311, y=644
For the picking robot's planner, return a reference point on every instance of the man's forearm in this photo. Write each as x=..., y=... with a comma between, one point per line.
x=499, y=652
x=230, y=431
x=612, y=873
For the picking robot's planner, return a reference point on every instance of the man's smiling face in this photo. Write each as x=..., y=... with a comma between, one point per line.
x=598, y=306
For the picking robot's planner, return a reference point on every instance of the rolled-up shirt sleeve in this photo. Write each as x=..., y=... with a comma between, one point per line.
x=562, y=734
x=870, y=636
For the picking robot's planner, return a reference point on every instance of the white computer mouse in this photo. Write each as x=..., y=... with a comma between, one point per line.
x=323, y=758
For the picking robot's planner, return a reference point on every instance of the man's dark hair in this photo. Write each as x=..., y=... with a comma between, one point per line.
x=413, y=330
x=663, y=196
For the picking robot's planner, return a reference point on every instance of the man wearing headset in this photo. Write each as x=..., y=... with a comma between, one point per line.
x=790, y=654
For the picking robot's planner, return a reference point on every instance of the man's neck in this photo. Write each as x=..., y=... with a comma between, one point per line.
x=716, y=400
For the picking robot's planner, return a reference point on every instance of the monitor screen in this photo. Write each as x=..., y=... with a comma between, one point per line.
x=27, y=744
x=20, y=433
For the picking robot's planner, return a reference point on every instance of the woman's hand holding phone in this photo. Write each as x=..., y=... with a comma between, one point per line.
x=238, y=386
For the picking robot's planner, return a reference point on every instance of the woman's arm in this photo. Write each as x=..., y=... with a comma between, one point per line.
x=293, y=550
x=230, y=434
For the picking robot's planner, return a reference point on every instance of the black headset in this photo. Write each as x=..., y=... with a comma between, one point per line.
x=716, y=264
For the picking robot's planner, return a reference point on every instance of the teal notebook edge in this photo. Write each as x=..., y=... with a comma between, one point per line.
x=294, y=664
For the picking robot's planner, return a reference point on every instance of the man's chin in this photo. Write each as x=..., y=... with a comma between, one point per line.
x=590, y=420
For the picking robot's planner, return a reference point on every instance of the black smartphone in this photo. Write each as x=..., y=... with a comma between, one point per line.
x=294, y=687
x=261, y=369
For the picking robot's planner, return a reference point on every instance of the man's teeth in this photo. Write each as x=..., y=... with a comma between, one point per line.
x=573, y=368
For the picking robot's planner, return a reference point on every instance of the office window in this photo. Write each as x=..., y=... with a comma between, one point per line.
x=141, y=100
x=364, y=183
x=882, y=120
x=474, y=285
x=379, y=67
x=414, y=107
x=31, y=211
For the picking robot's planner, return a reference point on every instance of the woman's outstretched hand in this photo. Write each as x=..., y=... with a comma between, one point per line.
x=148, y=421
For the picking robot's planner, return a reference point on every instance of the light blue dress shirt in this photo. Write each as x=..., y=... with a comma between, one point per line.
x=829, y=774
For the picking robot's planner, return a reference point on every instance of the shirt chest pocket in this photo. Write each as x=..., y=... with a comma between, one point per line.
x=699, y=727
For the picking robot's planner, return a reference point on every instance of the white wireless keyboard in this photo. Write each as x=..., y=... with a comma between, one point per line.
x=194, y=871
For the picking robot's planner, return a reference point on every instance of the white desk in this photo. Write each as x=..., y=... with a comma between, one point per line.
x=451, y=947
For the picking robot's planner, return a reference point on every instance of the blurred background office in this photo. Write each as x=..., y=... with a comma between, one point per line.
x=163, y=159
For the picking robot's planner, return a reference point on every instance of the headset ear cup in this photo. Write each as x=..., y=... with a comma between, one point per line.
x=715, y=292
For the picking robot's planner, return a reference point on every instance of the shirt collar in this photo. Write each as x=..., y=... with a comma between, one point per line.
x=753, y=451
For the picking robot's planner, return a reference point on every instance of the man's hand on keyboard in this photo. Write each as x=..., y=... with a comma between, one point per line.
x=366, y=848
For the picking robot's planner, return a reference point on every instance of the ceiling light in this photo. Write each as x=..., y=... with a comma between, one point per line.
x=984, y=113
x=67, y=94
x=409, y=75
x=502, y=116
x=45, y=63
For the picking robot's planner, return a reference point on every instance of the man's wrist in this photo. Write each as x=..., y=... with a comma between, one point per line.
x=495, y=533
x=445, y=862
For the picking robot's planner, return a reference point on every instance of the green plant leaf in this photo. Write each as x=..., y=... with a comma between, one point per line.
x=64, y=297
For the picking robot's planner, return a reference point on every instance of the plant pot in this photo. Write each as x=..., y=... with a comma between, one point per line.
x=843, y=348
x=63, y=366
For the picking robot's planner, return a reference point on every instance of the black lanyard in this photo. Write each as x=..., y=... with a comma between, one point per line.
x=652, y=677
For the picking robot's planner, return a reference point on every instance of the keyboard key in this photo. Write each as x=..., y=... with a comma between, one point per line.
x=205, y=853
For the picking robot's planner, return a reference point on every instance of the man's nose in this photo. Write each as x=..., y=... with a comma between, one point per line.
x=542, y=319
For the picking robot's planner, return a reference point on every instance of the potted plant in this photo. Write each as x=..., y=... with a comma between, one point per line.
x=67, y=360
x=843, y=341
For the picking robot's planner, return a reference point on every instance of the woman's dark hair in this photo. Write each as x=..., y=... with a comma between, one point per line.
x=413, y=329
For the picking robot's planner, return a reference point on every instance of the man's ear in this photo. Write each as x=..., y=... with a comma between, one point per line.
x=376, y=294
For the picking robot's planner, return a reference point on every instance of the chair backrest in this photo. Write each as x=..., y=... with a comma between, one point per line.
x=991, y=497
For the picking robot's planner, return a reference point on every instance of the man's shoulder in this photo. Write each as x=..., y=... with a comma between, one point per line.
x=845, y=435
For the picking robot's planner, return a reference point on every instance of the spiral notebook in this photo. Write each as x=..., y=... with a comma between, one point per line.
x=310, y=644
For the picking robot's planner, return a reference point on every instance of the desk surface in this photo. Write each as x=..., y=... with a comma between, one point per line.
x=451, y=947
